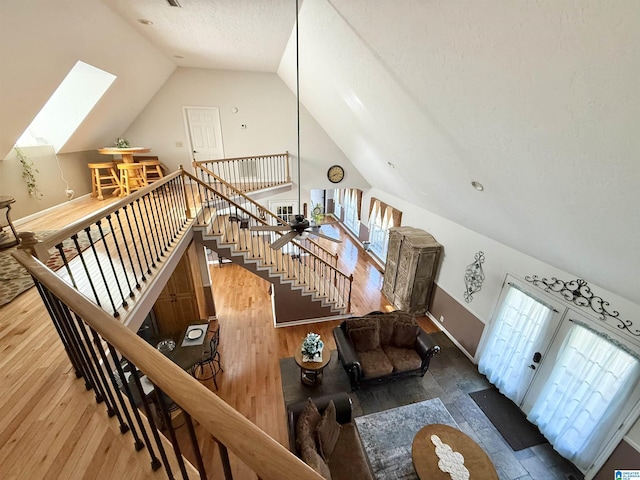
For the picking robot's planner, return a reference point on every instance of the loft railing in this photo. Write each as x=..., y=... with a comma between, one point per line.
x=99, y=347
x=305, y=262
x=113, y=255
x=247, y=174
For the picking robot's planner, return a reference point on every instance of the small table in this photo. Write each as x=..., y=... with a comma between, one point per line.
x=187, y=352
x=425, y=460
x=127, y=153
x=5, y=240
x=311, y=372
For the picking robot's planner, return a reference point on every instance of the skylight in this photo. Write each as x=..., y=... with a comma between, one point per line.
x=67, y=108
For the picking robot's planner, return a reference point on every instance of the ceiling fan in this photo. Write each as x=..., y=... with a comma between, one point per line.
x=300, y=225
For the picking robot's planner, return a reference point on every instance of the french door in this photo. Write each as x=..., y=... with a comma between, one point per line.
x=518, y=339
x=574, y=377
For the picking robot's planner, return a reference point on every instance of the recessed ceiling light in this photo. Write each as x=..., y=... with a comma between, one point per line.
x=477, y=185
x=144, y=21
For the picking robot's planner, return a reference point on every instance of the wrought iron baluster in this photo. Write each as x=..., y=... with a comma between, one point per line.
x=65, y=262
x=155, y=462
x=135, y=245
x=66, y=343
x=102, y=275
x=86, y=270
x=73, y=337
x=141, y=238
x=172, y=433
x=116, y=277
x=112, y=407
x=122, y=264
x=195, y=446
x=146, y=220
x=150, y=419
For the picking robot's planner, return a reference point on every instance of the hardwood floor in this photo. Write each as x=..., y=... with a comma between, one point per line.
x=51, y=426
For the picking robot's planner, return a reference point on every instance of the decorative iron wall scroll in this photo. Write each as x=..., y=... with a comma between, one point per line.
x=578, y=293
x=473, y=277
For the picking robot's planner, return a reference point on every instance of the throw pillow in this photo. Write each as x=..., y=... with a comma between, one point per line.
x=365, y=338
x=328, y=431
x=312, y=458
x=306, y=425
x=405, y=332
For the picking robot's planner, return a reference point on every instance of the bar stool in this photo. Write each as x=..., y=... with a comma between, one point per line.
x=151, y=168
x=131, y=177
x=103, y=177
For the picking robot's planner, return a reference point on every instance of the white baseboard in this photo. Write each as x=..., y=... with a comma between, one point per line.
x=306, y=321
x=46, y=211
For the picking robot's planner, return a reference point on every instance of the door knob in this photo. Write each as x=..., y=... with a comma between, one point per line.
x=537, y=357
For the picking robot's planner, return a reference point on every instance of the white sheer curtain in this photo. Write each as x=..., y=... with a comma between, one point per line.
x=586, y=390
x=512, y=342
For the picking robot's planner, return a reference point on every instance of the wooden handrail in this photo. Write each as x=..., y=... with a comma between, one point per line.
x=250, y=200
x=266, y=457
x=220, y=160
x=240, y=207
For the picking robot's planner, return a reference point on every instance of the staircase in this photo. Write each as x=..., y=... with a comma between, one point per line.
x=306, y=283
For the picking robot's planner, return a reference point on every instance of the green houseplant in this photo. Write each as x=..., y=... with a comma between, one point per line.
x=29, y=171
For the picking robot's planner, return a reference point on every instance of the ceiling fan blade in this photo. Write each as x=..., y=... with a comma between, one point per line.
x=280, y=242
x=270, y=228
x=317, y=233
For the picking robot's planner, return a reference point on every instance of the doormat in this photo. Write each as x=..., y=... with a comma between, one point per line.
x=15, y=279
x=508, y=419
x=387, y=436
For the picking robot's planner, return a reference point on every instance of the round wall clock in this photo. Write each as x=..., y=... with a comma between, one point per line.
x=335, y=174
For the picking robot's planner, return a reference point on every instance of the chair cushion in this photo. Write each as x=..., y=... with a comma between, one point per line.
x=365, y=337
x=374, y=363
x=306, y=426
x=311, y=457
x=386, y=323
x=328, y=431
x=405, y=332
x=403, y=359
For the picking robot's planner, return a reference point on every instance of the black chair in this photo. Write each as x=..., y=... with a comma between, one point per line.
x=210, y=360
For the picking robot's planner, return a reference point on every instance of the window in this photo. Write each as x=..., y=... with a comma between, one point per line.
x=381, y=218
x=351, y=210
x=337, y=209
x=67, y=108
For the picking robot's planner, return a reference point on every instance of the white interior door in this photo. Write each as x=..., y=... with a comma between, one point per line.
x=205, y=132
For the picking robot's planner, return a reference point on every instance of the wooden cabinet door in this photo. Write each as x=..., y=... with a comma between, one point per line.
x=177, y=305
x=390, y=269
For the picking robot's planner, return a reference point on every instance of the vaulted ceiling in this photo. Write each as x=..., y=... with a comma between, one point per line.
x=537, y=101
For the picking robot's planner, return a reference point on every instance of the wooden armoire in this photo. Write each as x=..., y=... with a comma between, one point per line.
x=413, y=259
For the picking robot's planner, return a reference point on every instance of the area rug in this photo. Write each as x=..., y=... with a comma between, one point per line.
x=387, y=436
x=508, y=419
x=14, y=278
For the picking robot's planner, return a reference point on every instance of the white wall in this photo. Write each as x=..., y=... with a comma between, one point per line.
x=53, y=176
x=460, y=246
x=264, y=104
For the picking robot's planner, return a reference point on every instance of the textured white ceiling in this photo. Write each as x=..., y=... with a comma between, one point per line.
x=223, y=34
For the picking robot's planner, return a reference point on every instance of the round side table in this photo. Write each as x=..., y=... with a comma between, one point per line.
x=7, y=241
x=311, y=372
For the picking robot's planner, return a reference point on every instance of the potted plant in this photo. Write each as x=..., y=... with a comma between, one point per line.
x=312, y=348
